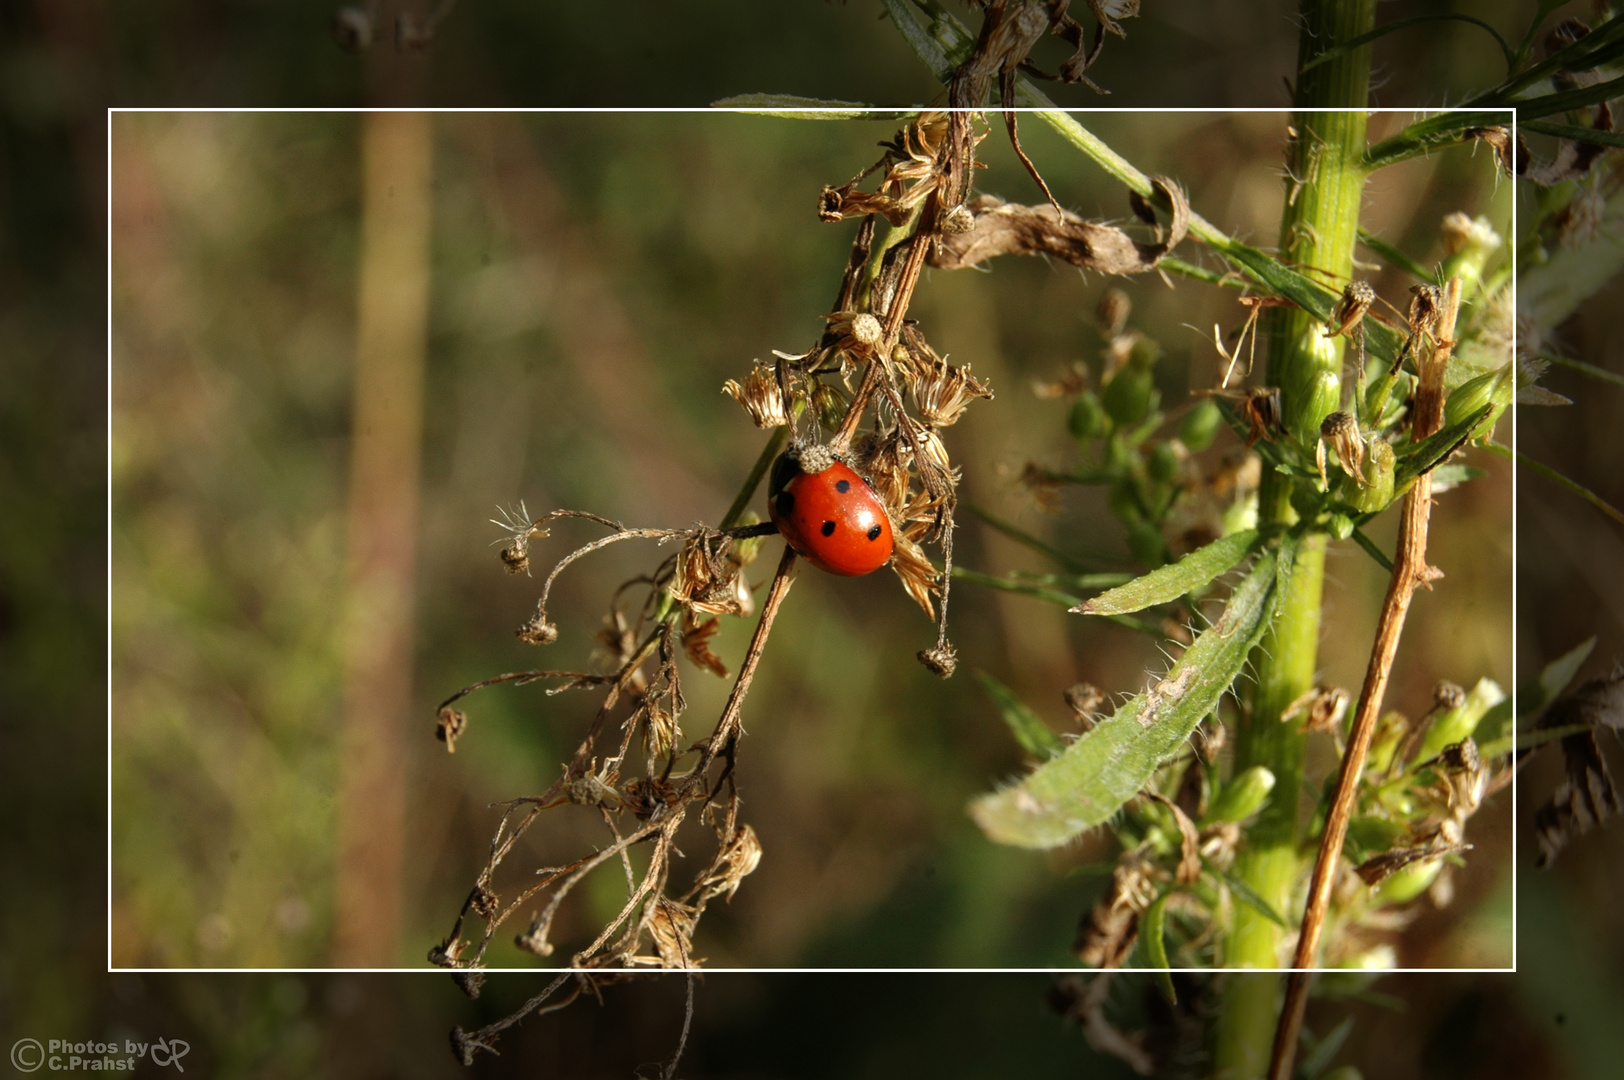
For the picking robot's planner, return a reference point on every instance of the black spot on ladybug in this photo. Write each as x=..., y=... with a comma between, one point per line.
x=843, y=486
x=874, y=532
x=786, y=503
x=828, y=528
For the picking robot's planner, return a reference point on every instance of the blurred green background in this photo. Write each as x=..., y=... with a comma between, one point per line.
x=62, y=61
x=592, y=281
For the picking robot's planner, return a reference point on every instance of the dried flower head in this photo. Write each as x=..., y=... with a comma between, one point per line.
x=1461, y=232
x=1113, y=311
x=520, y=531
x=941, y=661
x=736, y=861
x=957, y=221
x=1341, y=430
x=450, y=726
x=537, y=631
x=1069, y=383
x=705, y=578
x=942, y=392
x=919, y=575
x=1350, y=309
x=761, y=396
x=857, y=328
x=882, y=459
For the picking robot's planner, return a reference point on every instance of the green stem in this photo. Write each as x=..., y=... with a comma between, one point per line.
x=1317, y=234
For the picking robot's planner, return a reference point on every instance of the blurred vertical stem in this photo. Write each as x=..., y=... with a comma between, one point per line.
x=391, y=338
x=1317, y=234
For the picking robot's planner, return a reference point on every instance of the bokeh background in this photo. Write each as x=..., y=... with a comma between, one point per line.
x=590, y=283
x=63, y=62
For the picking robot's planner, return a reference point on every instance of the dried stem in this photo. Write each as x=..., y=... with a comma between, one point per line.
x=1410, y=571
x=727, y=728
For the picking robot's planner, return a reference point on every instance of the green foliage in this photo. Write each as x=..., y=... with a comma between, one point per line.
x=1244, y=795
x=1027, y=727
x=1109, y=764
x=1152, y=935
x=1195, y=571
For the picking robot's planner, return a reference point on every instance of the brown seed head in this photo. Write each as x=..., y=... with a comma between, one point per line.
x=942, y=392
x=1356, y=300
x=761, y=397
x=958, y=221
x=538, y=631
x=1447, y=695
x=940, y=661
x=1341, y=430
x=1113, y=311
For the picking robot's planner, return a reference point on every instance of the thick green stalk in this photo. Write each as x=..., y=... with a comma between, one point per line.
x=1317, y=234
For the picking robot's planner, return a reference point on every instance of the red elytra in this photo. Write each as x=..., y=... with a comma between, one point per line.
x=831, y=518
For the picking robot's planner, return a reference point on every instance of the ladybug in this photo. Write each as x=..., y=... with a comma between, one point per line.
x=828, y=513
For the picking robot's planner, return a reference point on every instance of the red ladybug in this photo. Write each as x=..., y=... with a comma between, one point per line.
x=830, y=516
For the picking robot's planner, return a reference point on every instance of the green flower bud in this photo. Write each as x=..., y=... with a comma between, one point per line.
x=1341, y=526
x=1162, y=463
x=1127, y=396
x=1493, y=388
x=1390, y=731
x=1146, y=543
x=1378, y=490
x=746, y=550
x=1405, y=885
x=1376, y=399
x=1200, y=425
x=1469, y=242
x=1323, y=397
x=1459, y=715
x=830, y=405
x=1088, y=419
x=1370, y=835
x=1123, y=502
x=1305, y=499
x=1242, y=797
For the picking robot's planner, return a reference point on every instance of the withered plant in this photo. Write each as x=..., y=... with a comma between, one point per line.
x=872, y=393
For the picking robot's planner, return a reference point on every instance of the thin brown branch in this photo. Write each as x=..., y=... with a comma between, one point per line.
x=727, y=728
x=1410, y=571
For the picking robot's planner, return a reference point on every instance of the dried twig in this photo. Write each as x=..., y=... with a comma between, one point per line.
x=1410, y=571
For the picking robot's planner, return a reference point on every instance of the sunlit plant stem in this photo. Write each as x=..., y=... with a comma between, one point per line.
x=1318, y=230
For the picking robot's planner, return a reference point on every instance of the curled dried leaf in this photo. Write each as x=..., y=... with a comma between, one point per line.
x=1008, y=229
x=696, y=638
x=1107, y=932
x=919, y=575
x=737, y=860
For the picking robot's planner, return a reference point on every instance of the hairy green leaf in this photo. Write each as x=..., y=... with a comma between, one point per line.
x=1422, y=456
x=1574, y=133
x=1095, y=775
x=1532, y=696
x=808, y=108
x=919, y=38
x=1369, y=545
x=1153, y=936
x=1435, y=132
x=1175, y=579
x=1343, y=48
x=1323, y=1051
x=1028, y=728
x=1247, y=895
x=1396, y=258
